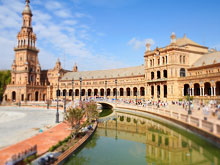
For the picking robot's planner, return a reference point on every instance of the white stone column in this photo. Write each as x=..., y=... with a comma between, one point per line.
x=200, y=91
x=203, y=91
x=160, y=60
x=211, y=91
x=183, y=91
x=214, y=91
x=192, y=91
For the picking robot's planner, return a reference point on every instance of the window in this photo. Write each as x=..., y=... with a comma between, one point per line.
x=184, y=59
x=180, y=59
x=182, y=72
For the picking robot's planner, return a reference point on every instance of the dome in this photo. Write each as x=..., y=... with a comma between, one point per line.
x=27, y=9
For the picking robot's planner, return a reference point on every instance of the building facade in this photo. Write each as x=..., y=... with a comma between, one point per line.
x=170, y=73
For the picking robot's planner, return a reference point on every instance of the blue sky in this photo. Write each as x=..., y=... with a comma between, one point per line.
x=104, y=34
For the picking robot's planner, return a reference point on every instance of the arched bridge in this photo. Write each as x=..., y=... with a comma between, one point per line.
x=106, y=104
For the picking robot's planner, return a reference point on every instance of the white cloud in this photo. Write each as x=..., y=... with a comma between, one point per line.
x=56, y=36
x=137, y=44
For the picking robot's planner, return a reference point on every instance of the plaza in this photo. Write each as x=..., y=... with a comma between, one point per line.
x=17, y=124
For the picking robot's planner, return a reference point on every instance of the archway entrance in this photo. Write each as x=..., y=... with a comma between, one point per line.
x=165, y=91
x=95, y=92
x=102, y=91
x=121, y=91
x=186, y=89
x=196, y=89
x=108, y=92
x=83, y=92
x=158, y=91
x=128, y=92
x=152, y=91
x=13, y=96
x=77, y=92
x=142, y=89
x=36, y=96
x=134, y=91
x=207, y=89
x=89, y=92
x=218, y=88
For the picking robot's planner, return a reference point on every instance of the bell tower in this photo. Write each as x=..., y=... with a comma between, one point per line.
x=26, y=68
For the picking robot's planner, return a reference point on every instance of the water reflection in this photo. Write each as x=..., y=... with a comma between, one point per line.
x=163, y=144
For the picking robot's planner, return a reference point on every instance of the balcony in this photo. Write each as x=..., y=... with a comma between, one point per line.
x=157, y=80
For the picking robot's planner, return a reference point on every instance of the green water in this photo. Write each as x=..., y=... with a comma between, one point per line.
x=105, y=112
x=131, y=140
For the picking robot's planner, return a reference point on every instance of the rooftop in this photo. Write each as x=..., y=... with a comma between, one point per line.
x=101, y=74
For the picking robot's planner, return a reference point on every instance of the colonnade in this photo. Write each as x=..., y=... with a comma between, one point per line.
x=202, y=89
x=122, y=92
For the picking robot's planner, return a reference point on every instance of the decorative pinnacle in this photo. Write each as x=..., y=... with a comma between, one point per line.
x=27, y=2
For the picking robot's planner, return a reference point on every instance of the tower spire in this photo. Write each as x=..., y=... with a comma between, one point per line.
x=27, y=2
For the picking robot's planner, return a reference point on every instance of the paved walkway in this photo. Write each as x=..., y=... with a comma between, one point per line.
x=43, y=141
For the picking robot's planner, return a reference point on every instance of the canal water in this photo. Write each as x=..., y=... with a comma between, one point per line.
x=132, y=140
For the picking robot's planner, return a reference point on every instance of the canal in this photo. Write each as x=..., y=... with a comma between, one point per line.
x=129, y=139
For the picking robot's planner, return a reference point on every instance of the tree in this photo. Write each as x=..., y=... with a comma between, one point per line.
x=73, y=116
x=91, y=111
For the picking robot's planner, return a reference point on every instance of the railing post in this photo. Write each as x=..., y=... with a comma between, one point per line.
x=214, y=128
x=200, y=123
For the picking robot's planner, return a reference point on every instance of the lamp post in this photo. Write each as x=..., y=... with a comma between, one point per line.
x=80, y=93
x=136, y=96
x=72, y=90
x=65, y=100
x=189, y=111
x=57, y=114
x=116, y=90
x=105, y=89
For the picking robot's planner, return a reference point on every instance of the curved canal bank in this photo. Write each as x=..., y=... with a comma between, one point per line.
x=133, y=139
x=208, y=129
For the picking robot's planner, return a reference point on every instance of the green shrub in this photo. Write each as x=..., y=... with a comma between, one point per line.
x=121, y=118
x=128, y=119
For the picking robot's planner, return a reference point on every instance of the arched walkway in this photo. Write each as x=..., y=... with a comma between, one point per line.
x=134, y=91
x=22, y=97
x=186, y=89
x=102, y=92
x=64, y=92
x=58, y=92
x=142, y=89
x=89, y=92
x=196, y=89
x=158, y=91
x=77, y=92
x=114, y=91
x=165, y=91
x=207, y=90
x=108, y=92
x=218, y=88
x=95, y=92
x=121, y=92
x=152, y=91
x=128, y=91
x=36, y=96
x=29, y=97
x=44, y=97
x=13, y=96
x=83, y=92
x=70, y=92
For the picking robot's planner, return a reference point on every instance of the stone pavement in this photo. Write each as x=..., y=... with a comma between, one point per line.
x=43, y=141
